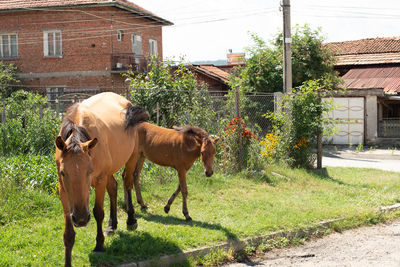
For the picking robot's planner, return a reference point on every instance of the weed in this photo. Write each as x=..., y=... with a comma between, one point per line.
x=359, y=147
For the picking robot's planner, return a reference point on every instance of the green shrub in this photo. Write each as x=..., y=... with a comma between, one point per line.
x=29, y=172
x=239, y=148
x=29, y=127
x=295, y=129
x=173, y=94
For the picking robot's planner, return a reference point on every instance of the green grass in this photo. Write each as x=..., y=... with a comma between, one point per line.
x=222, y=207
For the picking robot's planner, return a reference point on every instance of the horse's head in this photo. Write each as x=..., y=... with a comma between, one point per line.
x=75, y=167
x=207, y=153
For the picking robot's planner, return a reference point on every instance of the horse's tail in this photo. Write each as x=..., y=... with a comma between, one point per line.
x=135, y=115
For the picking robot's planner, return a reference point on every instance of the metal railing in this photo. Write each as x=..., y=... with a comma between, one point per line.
x=389, y=128
x=124, y=62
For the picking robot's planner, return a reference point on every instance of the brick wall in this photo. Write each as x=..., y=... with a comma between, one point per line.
x=89, y=38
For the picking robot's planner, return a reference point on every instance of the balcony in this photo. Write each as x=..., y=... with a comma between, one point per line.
x=121, y=63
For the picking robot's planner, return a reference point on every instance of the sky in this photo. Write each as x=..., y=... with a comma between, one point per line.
x=207, y=29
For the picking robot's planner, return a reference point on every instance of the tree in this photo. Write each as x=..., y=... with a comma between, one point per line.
x=8, y=79
x=311, y=60
x=172, y=93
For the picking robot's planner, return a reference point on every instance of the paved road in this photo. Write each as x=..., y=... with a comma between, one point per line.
x=378, y=159
x=377, y=245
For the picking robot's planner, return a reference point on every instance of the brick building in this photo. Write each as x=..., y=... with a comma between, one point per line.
x=63, y=46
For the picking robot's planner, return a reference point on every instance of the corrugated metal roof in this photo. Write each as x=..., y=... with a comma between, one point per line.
x=386, y=78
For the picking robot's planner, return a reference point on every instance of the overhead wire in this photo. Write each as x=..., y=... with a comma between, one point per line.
x=24, y=39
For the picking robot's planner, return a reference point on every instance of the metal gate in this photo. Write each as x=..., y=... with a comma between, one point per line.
x=349, y=117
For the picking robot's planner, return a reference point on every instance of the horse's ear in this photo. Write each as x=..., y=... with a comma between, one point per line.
x=60, y=143
x=216, y=140
x=87, y=146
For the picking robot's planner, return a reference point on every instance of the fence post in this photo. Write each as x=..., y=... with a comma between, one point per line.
x=158, y=114
x=128, y=90
x=278, y=102
x=57, y=107
x=3, y=113
x=237, y=104
x=319, y=142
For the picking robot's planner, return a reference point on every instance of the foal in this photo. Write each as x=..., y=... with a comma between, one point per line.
x=177, y=148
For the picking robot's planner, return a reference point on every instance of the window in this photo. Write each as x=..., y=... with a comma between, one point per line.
x=136, y=44
x=120, y=34
x=8, y=45
x=52, y=44
x=153, y=47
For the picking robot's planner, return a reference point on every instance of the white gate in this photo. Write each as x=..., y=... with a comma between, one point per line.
x=349, y=117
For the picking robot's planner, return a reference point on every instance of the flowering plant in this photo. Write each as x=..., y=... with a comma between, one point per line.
x=237, y=139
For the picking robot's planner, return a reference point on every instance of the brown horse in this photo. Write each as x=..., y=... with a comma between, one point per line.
x=97, y=138
x=177, y=148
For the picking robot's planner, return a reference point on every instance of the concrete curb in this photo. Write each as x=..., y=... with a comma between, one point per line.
x=238, y=245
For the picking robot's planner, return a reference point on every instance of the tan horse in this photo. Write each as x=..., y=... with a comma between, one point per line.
x=177, y=148
x=96, y=139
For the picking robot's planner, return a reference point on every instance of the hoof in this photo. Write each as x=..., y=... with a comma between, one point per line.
x=144, y=207
x=166, y=209
x=188, y=218
x=132, y=227
x=109, y=231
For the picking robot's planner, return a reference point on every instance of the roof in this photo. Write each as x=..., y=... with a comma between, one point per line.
x=213, y=72
x=366, y=46
x=12, y=5
x=367, y=51
x=386, y=78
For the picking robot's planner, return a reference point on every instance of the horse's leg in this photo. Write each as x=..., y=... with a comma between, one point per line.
x=171, y=199
x=184, y=191
x=98, y=212
x=136, y=181
x=131, y=222
x=112, y=188
x=69, y=233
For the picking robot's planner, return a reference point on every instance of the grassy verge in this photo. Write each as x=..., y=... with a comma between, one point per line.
x=222, y=207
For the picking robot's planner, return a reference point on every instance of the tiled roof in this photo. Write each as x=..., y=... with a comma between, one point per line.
x=367, y=59
x=213, y=71
x=366, y=46
x=6, y=5
x=386, y=78
x=367, y=51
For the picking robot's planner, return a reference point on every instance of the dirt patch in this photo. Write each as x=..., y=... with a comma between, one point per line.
x=377, y=245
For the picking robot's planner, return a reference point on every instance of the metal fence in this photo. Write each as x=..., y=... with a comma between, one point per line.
x=222, y=107
x=211, y=111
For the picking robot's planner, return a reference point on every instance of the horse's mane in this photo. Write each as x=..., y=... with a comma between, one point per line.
x=135, y=115
x=68, y=127
x=192, y=130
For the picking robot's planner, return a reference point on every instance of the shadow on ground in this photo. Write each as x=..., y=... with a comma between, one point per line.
x=324, y=174
x=171, y=220
x=133, y=247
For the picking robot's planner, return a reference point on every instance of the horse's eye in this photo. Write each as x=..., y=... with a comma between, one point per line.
x=62, y=173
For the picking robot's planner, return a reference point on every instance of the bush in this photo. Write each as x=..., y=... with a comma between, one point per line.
x=295, y=129
x=28, y=172
x=29, y=127
x=173, y=94
x=8, y=79
x=239, y=148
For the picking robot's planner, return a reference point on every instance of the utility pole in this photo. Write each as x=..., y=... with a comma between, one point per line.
x=287, y=52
